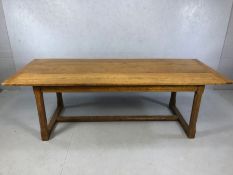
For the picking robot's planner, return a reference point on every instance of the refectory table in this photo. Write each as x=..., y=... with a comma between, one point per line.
x=116, y=75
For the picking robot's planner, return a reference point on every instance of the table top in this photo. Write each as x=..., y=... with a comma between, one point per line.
x=113, y=72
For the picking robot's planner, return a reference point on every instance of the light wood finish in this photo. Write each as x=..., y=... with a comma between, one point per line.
x=115, y=72
x=116, y=75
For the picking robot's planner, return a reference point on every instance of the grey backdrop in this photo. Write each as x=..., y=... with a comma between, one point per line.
x=7, y=66
x=226, y=61
x=122, y=28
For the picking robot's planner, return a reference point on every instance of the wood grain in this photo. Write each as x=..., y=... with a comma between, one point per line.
x=115, y=72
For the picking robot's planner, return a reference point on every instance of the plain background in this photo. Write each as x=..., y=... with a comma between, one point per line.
x=125, y=28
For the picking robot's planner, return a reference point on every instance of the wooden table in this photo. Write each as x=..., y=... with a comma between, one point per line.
x=116, y=75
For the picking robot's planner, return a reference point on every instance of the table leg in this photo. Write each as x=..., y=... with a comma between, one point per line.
x=41, y=113
x=195, y=111
x=190, y=129
x=59, y=99
x=172, y=99
x=45, y=128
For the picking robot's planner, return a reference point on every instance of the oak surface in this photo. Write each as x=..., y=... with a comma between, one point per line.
x=115, y=72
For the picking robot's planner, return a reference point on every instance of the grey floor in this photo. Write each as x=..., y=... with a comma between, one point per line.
x=122, y=148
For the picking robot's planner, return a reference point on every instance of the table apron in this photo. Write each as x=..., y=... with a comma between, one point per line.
x=156, y=88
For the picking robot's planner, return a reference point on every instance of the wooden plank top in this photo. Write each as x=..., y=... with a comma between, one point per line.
x=114, y=72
